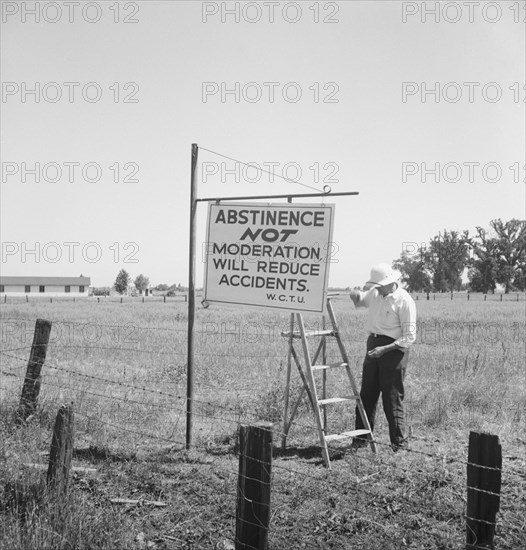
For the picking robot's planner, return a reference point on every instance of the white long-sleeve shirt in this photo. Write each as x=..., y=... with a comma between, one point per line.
x=393, y=315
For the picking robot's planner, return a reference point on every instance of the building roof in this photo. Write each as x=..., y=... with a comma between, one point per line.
x=50, y=281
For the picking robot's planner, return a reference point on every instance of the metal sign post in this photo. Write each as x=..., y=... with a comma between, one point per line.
x=191, y=298
x=192, y=263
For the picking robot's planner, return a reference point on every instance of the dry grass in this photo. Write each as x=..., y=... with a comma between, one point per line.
x=466, y=372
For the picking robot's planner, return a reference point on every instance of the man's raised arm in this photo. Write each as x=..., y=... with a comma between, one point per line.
x=359, y=298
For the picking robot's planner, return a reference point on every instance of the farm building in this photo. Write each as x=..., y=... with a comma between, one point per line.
x=48, y=286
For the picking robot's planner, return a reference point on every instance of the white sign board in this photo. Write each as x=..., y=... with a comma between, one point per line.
x=275, y=256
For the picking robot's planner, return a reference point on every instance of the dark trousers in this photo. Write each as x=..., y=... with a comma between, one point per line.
x=386, y=375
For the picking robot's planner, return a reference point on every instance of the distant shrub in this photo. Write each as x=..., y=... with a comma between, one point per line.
x=101, y=291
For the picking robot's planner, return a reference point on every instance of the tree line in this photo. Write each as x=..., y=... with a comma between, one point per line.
x=141, y=282
x=491, y=257
x=123, y=281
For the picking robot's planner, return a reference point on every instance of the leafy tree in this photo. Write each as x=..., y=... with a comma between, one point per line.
x=141, y=283
x=161, y=287
x=447, y=258
x=414, y=271
x=519, y=280
x=484, y=266
x=511, y=253
x=122, y=281
x=101, y=291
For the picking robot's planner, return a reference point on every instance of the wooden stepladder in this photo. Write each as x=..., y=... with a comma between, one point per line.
x=309, y=378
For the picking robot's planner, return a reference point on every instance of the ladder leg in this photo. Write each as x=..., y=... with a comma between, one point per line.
x=324, y=374
x=287, y=387
x=304, y=389
x=354, y=387
x=316, y=407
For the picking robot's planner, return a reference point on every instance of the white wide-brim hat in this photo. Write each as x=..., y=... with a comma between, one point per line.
x=381, y=275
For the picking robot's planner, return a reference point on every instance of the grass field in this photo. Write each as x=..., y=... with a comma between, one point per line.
x=124, y=367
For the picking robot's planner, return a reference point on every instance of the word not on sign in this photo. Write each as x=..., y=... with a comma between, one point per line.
x=274, y=256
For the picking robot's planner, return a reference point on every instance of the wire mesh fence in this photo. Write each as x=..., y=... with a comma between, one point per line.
x=130, y=402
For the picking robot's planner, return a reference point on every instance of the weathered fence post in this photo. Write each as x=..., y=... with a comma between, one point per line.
x=61, y=450
x=468, y=296
x=428, y=296
x=31, y=387
x=484, y=479
x=501, y=297
x=165, y=298
x=485, y=296
x=27, y=298
x=253, y=486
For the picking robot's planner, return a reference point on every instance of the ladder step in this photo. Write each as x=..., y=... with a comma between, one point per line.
x=332, y=400
x=329, y=366
x=309, y=333
x=345, y=435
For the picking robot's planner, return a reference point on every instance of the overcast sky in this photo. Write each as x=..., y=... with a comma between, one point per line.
x=347, y=101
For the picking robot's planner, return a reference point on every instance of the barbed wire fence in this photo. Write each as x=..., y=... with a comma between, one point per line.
x=457, y=296
x=122, y=410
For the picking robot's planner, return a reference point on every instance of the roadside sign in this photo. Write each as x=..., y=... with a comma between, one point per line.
x=268, y=255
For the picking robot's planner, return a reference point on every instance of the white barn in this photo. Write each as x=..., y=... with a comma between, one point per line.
x=45, y=286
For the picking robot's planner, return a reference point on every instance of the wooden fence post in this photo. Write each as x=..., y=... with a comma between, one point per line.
x=484, y=479
x=31, y=387
x=253, y=486
x=468, y=296
x=501, y=297
x=61, y=450
x=165, y=298
x=485, y=296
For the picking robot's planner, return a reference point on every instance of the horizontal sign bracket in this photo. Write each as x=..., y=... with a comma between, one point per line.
x=218, y=200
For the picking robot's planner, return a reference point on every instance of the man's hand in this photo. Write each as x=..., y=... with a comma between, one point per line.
x=378, y=352
x=355, y=296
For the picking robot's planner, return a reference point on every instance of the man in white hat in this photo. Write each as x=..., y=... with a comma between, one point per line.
x=391, y=324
